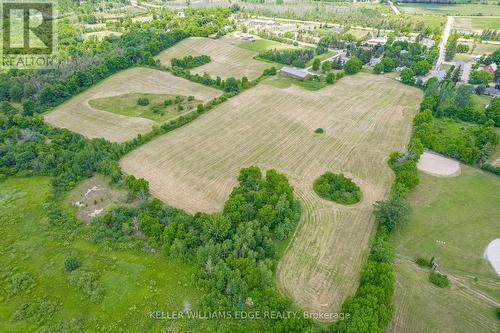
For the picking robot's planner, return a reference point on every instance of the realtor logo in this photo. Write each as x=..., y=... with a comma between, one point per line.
x=28, y=33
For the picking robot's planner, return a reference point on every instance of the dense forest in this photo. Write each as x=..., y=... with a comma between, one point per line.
x=189, y=62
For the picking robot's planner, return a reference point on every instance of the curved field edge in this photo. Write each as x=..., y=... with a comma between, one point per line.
x=195, y=167
x=78, y=116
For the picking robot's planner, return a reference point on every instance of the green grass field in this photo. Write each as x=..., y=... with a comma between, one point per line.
x=126, y=105
x=432, y=21
x=449, y=9
x=32, y=272
x=262, y=45
x=321, y=57
x=453, y=219
x=476, y=23
x=483, y=48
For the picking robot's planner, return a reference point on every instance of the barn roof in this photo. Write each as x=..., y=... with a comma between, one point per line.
x=295, y=72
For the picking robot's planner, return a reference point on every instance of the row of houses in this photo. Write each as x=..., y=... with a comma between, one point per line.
x=427, y=42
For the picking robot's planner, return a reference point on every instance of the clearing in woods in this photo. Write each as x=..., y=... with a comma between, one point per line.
x=195, y=168
x=78, y=116
x=454, y=220
x=227, y=59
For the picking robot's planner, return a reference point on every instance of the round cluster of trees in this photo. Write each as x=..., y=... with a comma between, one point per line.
x=337, y=188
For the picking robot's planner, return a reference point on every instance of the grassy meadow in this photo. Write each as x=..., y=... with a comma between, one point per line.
x=156, y=110
x=453, y=219
x=476, y=23
x=263, y=45
x=37, y=292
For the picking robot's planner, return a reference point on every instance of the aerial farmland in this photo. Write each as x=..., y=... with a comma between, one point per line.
x=240, y=166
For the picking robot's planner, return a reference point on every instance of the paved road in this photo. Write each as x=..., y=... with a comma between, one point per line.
x=442, y=44
x=394, y=8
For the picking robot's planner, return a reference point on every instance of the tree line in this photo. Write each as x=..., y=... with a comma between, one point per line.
x=294, y=57
x=189, y=62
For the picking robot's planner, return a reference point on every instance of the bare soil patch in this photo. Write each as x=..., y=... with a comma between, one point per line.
x=93, y=196
x=438, y=165
x=492, y=253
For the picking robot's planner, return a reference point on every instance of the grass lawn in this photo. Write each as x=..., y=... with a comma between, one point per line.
x=480, y=102
x=448, y=127
x=476, y=49
x=484, y=48
x=453, y=219
x=262, y=45
x=360, y=33
x=465, y=57
x=321, y=57
x=432, y=21
x=446, y=67
x=32, y=272
x=126, y=105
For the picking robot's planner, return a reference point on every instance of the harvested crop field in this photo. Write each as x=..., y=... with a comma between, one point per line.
x=196, y=167
x=77, y=115
x=227, y=59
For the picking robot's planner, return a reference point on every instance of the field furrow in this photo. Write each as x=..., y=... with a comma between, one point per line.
x=365, y=117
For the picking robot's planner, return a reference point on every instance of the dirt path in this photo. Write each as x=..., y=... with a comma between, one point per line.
x=458, y=281
x=442, y=44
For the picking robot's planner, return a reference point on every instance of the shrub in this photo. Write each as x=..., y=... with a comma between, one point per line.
x=36, y=312
x=190, y=98
x=352, y=66
x=270, y=71
x=156, y=109
x=88, y=283
x=422, y=262
x=480, y=77
x=19, y=282
x=143, y=101
x=71, y=264
x=178, y=99
x=330, y=78
x=168, y=102
x=392, y=212
x=497, y=310
x=490, y=168
x=319, y=131
x=439, y=279
x=381, y=250
x=200, y=108
x=337, y=188
x=189, y=62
